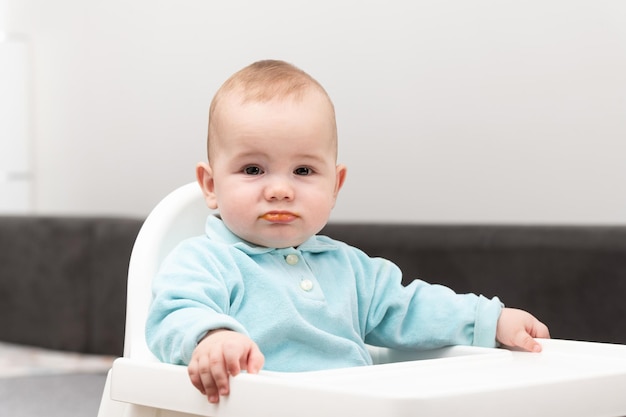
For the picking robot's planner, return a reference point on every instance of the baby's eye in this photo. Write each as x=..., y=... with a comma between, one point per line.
x=303, y=171
x=252, y=170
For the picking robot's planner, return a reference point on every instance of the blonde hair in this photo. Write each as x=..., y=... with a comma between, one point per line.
x=264, y=81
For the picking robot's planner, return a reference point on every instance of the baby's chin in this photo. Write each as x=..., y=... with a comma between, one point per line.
x=277, y=236
x=276, y=243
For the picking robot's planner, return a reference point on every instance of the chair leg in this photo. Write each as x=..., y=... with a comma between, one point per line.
x=134, y=410
x=108, y=407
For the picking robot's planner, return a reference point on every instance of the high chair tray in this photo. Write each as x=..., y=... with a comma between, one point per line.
x=568, y=378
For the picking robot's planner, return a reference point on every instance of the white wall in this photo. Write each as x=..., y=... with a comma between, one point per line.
x=449, y=111
x=15, y=144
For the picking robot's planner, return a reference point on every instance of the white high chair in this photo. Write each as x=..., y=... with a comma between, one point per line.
x=567, y=378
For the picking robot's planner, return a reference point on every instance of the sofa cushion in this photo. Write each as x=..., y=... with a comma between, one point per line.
x=63, y=281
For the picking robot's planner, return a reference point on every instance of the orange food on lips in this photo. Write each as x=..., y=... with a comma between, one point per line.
x=279, y=217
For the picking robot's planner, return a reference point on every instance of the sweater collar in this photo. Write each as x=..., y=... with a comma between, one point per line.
x=217, y=231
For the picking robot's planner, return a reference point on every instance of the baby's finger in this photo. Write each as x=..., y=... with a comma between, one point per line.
x=255, y=360
x=541, y=331
x=194, y=376
x=217, y=378
x=234, y=360
x=525, y=341
x=207, y=384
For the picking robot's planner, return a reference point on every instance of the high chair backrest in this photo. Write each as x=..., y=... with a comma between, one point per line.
x=181, y=214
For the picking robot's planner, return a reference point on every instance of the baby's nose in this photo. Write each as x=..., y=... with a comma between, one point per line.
x=279, y=189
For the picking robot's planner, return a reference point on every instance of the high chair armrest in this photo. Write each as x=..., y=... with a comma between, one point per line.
x=567, y=378
x=157, y=385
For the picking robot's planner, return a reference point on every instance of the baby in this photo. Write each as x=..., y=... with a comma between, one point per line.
x=260, y=288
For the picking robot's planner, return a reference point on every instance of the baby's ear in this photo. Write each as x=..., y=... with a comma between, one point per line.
x=204, y=175
x=340, y=175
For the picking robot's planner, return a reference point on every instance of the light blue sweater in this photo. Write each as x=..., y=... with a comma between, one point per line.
x=308, y=308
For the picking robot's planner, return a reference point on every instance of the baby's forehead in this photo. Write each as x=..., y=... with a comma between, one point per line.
x=229, y=107
x=268, y=95
x=229, y=110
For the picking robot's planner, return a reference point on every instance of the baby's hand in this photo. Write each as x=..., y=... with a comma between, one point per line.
x=517, y=328
x=220, y=354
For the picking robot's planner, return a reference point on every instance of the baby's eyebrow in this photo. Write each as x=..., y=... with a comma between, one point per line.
x=311, y=157
x=250, y=154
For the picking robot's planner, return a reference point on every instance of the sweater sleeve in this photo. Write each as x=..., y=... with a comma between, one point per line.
x=423, y=315
x=190, y=298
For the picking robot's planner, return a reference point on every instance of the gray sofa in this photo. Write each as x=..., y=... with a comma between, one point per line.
x=63, y=280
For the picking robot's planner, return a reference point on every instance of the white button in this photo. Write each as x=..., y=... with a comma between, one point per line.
x=306, y=284
x=291, y=259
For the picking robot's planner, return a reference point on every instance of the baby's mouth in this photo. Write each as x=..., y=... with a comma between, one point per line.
x=279, y=216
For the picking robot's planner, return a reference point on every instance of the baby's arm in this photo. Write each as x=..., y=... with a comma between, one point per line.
x=220, y=354
x=517, y=328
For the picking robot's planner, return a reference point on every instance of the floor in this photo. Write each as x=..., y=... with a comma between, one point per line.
x=40, y=382
x=17, y=360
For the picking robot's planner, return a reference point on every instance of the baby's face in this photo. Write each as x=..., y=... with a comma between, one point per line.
x=273, y=166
